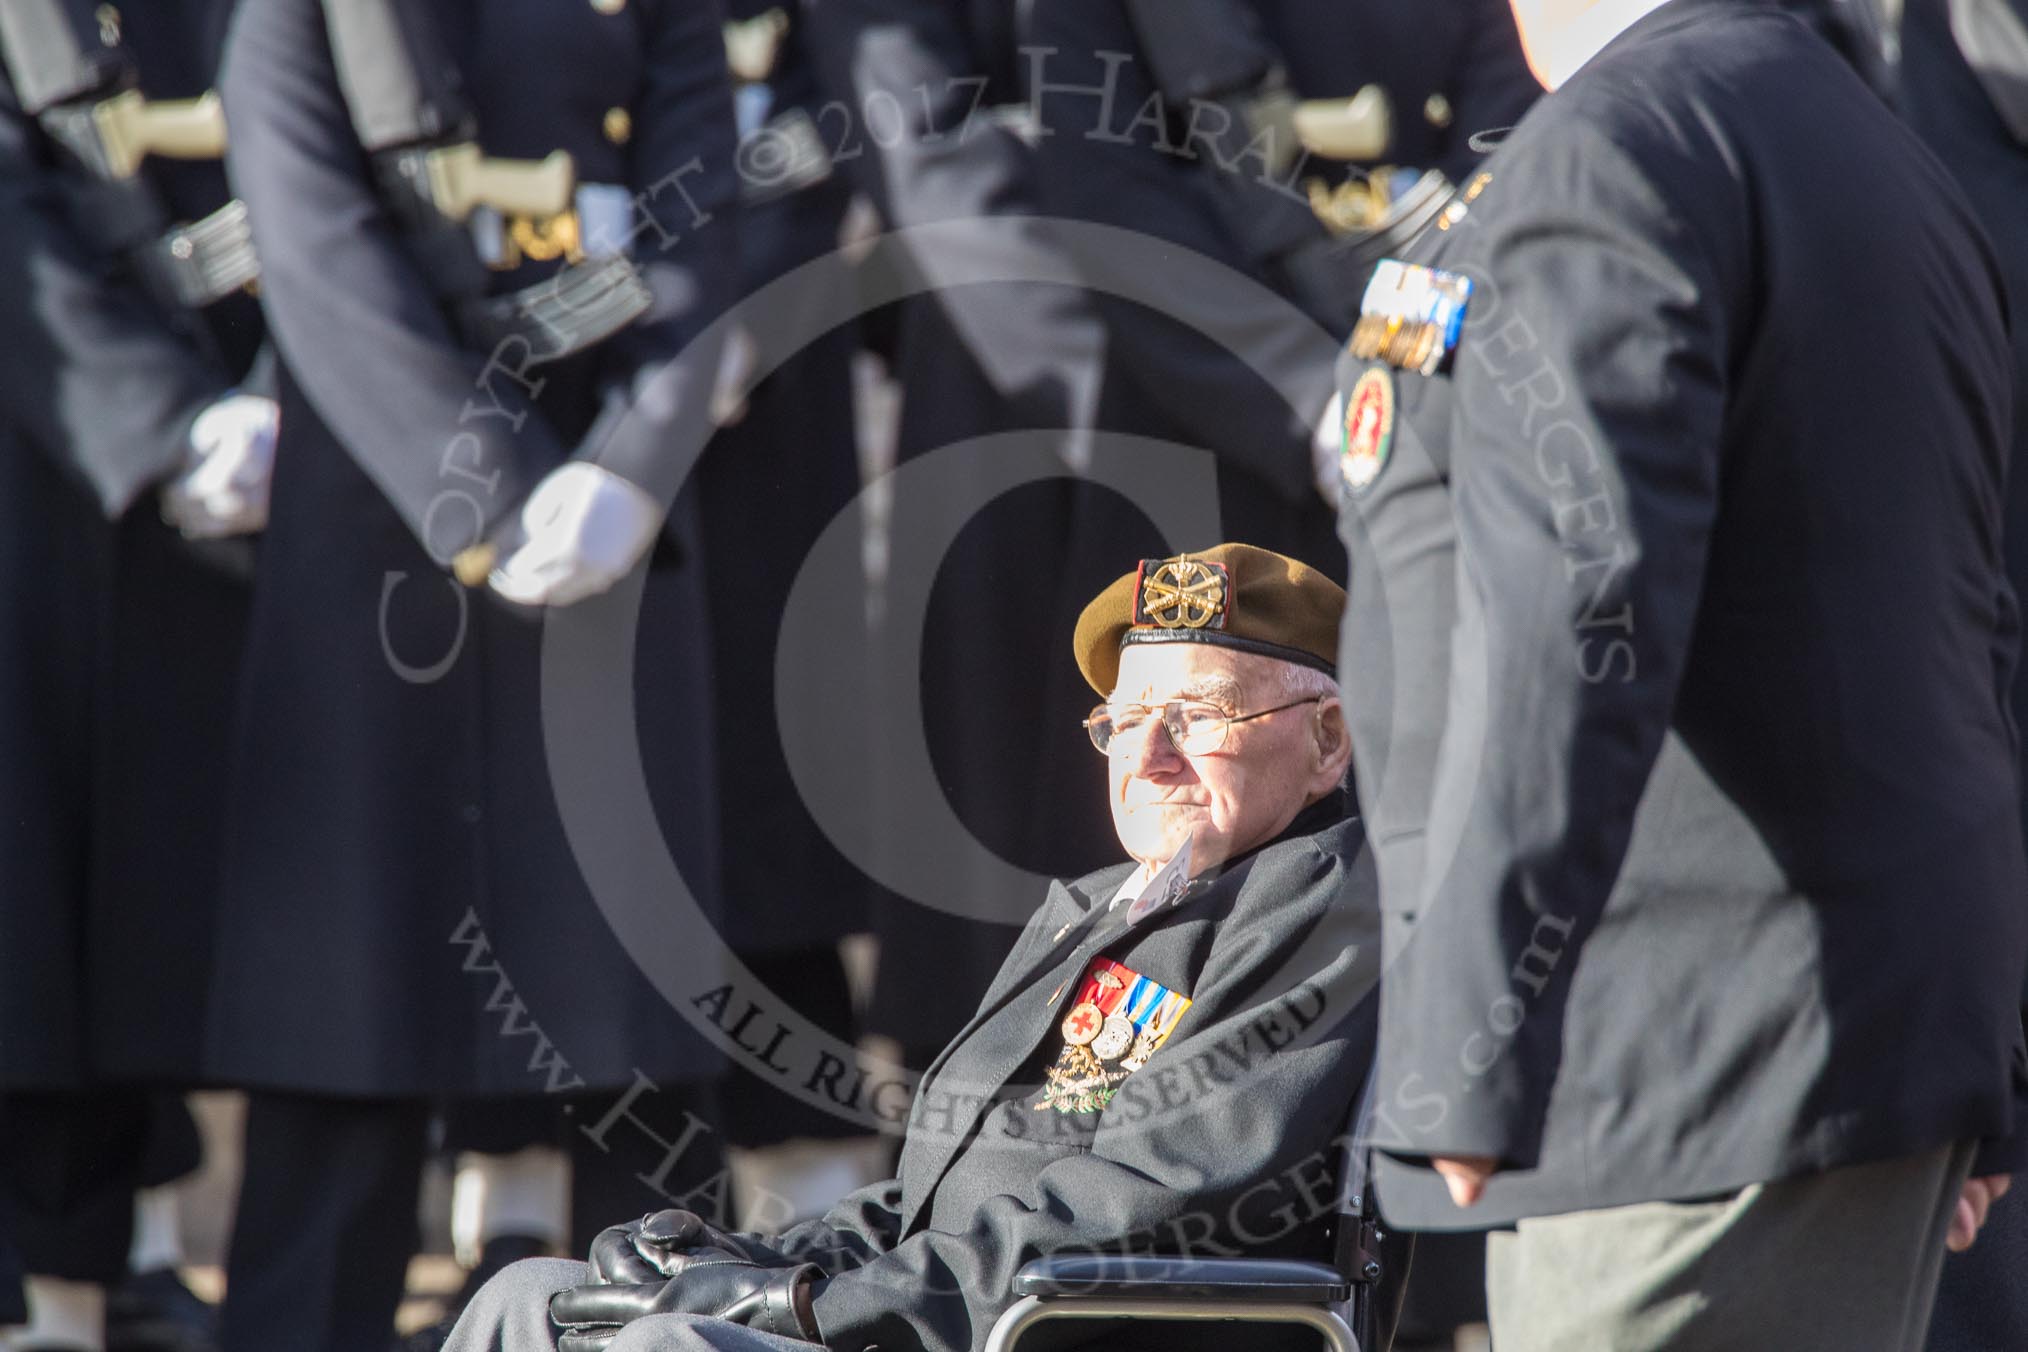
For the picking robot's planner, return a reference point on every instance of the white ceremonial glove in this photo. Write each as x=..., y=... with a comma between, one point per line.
x=584, y=528
x=1325, y=447
x=223, y=486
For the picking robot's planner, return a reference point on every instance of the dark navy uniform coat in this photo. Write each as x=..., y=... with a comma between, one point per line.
x=1684, y=641
x=121, y=641
x=393, y=785
x=770, y=483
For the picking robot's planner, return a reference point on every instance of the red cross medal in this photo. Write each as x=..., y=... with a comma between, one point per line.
x=1082, y=1024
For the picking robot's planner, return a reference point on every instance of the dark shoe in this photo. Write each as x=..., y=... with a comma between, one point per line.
x=154, y=1311
x=497, y=1254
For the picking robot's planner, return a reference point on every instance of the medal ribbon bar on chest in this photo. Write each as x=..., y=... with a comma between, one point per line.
x=1411, y=316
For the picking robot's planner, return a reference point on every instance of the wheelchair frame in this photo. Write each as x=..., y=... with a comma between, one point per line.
x=1336, y=1299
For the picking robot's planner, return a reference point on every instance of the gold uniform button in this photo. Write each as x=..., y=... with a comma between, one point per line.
x=609, y=6
x=1437, y=109
x=619, y=125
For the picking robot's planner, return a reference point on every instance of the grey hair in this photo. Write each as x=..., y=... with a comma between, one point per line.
x=1300, y=682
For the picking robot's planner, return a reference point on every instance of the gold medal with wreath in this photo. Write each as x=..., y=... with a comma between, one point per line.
x=1117, y=1020
x=1078, y=1083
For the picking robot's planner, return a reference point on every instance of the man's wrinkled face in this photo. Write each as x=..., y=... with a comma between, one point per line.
x=1233, y=799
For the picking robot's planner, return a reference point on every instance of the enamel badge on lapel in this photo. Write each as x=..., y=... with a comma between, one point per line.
x=1369, y=429
x=1170, y=882
x=1461, y=205
x=1116, y=1023
x=1411, y=316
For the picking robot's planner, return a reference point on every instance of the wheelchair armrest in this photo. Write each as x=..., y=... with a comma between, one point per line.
x=1159, y=1278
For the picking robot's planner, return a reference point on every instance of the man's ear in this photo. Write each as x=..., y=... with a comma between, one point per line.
x=1331, y=740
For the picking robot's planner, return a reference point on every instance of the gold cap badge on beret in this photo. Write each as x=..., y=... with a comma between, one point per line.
x=1232, y=595
x=1181, y=593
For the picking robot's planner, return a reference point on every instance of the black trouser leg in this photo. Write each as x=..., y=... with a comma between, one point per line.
x=326, y=1223
x=13, y=1300
x=174, y=1147
x=667, y=1149
x=69, y=1164
x=755, y=1108
x=622, y=1173
x=1982, y=1299
x=500, y=1126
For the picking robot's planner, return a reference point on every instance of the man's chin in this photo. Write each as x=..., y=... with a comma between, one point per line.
x=1159, y=836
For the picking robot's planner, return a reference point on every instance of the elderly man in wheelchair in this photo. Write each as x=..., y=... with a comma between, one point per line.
x=1146, y=1117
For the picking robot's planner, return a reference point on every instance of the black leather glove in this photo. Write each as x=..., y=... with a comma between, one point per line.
x=773, y=1300
x=661, y=1245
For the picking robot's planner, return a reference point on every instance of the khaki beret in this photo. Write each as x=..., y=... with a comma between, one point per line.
x=1235, y=596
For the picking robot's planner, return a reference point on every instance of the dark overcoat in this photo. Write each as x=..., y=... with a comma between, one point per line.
x=121, y=640
x=407, y=912
x=1680, y=614
x=769, y=485
x=1227, y=1140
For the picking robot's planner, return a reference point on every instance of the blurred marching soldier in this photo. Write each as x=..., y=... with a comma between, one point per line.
x=1000, y=109
x=970, y=361
x=781, y=468
x=489, y=235
x=135, y=439
x=1964, y=88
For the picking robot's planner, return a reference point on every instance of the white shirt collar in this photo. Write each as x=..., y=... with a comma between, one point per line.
x=1131, y=888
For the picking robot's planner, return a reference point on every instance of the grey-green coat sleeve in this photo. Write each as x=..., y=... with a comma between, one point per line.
x=1581, y=555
